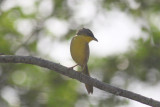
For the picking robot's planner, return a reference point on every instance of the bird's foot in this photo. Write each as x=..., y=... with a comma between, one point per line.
x=72, y=67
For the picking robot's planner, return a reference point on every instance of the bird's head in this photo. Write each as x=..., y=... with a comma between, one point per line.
x=87, y=34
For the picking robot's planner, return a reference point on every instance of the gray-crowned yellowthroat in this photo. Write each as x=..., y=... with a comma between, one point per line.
x=79, y=49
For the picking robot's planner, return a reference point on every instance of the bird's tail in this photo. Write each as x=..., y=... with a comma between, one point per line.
x=88, y=87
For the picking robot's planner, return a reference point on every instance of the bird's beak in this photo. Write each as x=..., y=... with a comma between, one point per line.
x=95, y=39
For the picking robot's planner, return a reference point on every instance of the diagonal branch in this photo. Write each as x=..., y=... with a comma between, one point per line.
x=78, y=76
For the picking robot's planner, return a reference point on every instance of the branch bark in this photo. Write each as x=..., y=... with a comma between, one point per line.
x=78, y=76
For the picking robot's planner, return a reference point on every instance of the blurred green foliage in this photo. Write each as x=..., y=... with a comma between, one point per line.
x=38, y=87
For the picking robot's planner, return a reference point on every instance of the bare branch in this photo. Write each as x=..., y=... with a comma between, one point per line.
x=78, y=76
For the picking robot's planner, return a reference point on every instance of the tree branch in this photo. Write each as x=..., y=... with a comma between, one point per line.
x=78, y=76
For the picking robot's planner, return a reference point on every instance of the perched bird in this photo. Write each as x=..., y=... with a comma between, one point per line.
x=79, y=49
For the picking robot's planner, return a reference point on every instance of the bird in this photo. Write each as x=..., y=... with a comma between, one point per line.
x=79, y=49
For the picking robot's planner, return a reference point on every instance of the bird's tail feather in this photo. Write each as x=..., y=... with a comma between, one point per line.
x=88, y=87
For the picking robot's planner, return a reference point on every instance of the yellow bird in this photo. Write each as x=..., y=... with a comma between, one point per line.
x=79, y=49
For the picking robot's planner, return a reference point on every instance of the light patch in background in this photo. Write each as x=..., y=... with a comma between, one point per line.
x=62, y=53
x=57, y=27
x=25, y=26
x=28, y=6
x=114, y=30
x=155, y=19
x=8, y=4
x=82, y=103
x=25, y=3
x=45, y=8
x=145, y=90
x=19, y=77
x=10, y=95
x=83, y=10
x=133, y=4
x=57, y=50
x=45, y=45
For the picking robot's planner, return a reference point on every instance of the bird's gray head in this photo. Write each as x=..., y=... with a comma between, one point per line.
x=86, y=32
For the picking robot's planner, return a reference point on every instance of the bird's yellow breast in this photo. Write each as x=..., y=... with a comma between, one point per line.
x=80, y=50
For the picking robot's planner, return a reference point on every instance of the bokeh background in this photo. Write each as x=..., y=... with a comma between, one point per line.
x=126, y=56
